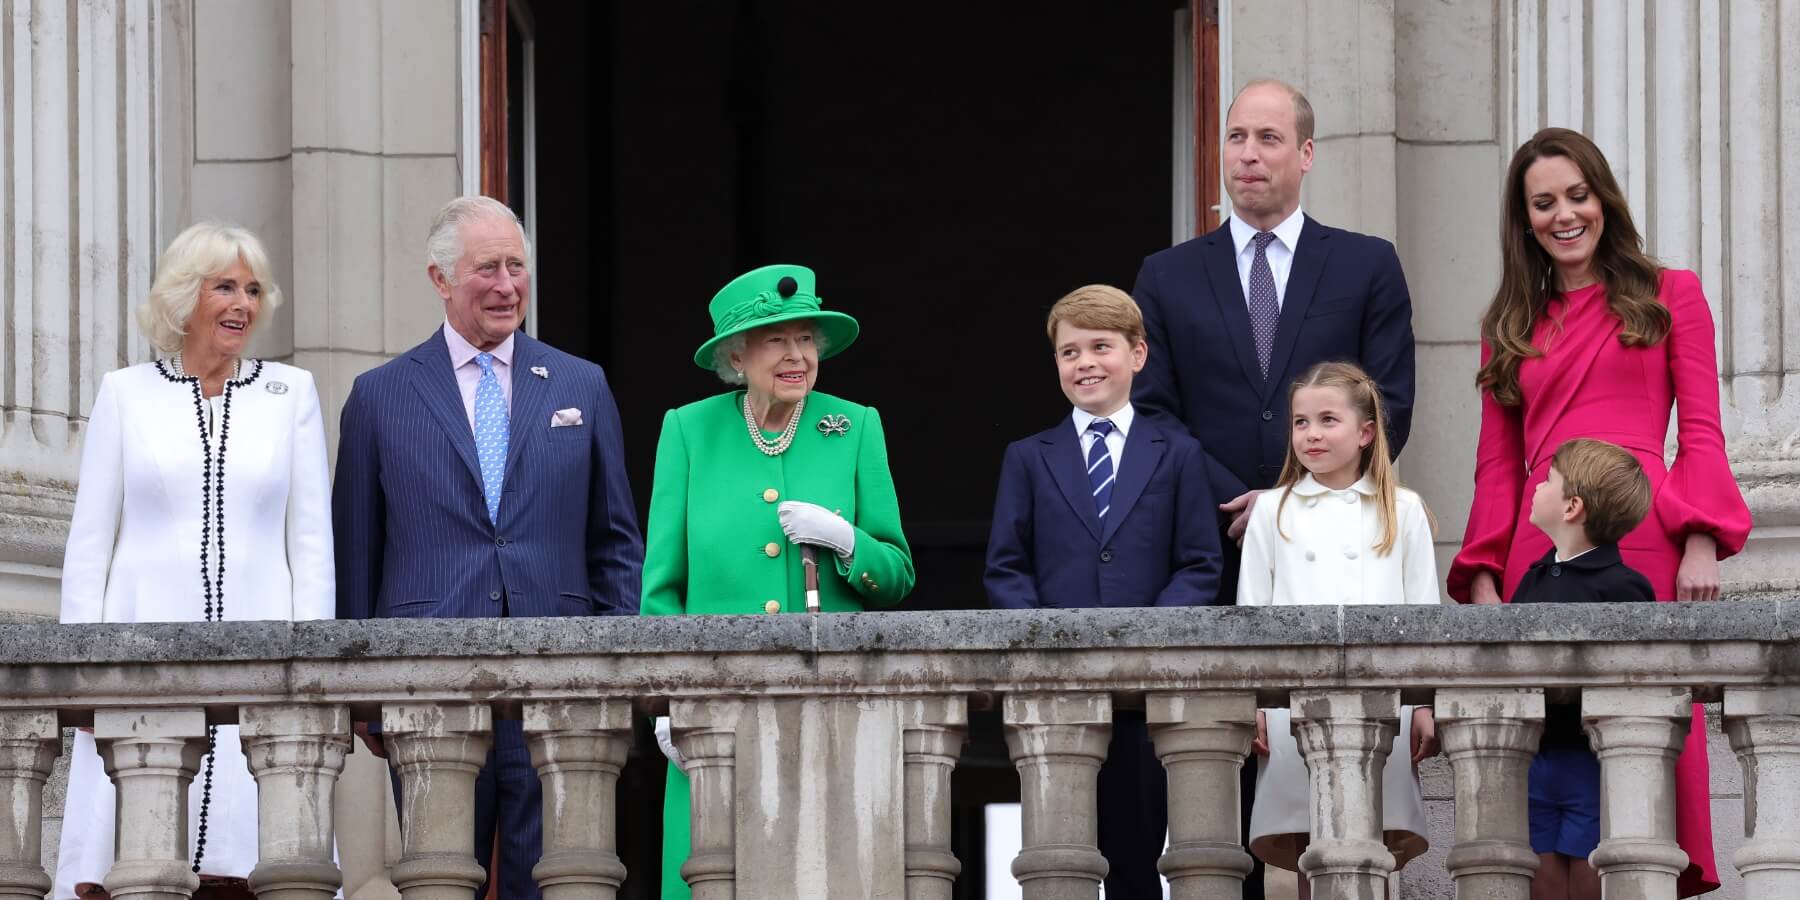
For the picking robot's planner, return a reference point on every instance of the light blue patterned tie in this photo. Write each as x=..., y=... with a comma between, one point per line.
x=1100, y=466
x=491, y=432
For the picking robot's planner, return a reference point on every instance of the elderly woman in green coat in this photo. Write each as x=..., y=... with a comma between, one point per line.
x=747, y=479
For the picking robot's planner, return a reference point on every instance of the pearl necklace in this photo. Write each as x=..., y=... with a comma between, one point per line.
x=780, y=444
x=237, y=367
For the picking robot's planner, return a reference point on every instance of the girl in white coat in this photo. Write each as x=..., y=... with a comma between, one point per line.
x=162, y=507
x=1337, y=528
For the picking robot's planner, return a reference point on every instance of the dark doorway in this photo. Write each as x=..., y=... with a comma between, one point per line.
x=948, y=169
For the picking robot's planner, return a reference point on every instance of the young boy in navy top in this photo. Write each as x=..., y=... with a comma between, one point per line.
x=1107, y=509
x=1595, y=494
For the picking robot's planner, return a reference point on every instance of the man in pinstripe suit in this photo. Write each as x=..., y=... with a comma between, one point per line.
x=482, y=474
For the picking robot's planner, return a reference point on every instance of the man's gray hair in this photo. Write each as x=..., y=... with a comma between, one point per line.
x=444, y=245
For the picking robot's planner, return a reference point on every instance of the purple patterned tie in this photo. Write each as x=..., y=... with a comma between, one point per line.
x=1264, y=309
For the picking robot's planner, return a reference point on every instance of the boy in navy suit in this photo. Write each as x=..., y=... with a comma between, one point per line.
x=1107, y=509
x=1595, y=494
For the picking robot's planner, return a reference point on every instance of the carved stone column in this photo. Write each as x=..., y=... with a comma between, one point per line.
x=1202, y=740
x=706, y=734
x=933, y=729
x=1058, y=742
x=578, y=747
x=1491, y=737
x=1764, y=727
x=151, y=756
x=296, y=753
x=1637, y=733
x=439, y=748
x=29, y=743
x=1345, y=737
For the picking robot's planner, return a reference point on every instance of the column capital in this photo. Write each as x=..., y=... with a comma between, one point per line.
x=1455, y=704
x=1344, y=704
x=292, y=720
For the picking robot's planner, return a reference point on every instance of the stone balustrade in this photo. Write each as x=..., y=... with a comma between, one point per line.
x=831, y=738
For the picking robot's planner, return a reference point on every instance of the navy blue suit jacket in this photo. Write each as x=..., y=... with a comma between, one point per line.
x=1346, y=299
x=1159, y=545
x=411, y=527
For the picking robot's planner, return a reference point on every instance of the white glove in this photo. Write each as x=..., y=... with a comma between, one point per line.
x=810, y=523
x=667, y=742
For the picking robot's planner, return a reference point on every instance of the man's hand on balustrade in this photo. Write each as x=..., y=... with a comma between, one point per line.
x=1698, y=576
x=371, y=741
x=1261, y=744
x=1483, y=590
x=1240, y=507
x=1424, y=734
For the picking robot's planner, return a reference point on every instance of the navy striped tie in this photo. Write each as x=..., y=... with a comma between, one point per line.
x=1100, y=466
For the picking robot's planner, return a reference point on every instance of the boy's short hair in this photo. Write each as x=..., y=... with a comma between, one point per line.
x=1098, y=307
x=1611, y=484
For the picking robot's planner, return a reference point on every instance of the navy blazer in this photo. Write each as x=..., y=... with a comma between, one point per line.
x=411, y=527
x=1346, y=299
x=1159, y=545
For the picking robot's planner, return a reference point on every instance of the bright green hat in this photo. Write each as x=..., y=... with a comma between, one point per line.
x=767, y=296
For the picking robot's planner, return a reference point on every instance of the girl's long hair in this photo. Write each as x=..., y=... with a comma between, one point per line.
x=1365, y=396
x=1528, y=277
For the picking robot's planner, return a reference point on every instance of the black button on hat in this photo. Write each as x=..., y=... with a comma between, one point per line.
x=787, y=286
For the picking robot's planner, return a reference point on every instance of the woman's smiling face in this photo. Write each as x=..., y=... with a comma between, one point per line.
x=780, y=362
x=1566, y=218
x=228, y=305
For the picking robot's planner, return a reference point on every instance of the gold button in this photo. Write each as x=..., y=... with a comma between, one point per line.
x=773, y=549
x=771, y=495
x=773, y=606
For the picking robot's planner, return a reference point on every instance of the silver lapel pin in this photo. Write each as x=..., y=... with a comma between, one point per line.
x=540, y=371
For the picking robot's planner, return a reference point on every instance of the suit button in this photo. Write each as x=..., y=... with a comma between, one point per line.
x=772, y=549
x=773, y=606
x=1310, y=556
x=771, y=495
x=1106, y=556
x=494, y=595
x=1349, y=552
x=1556, y=571
x=499, y=542
x=1312, y=502
x=1349, y=496
x=1268, y=415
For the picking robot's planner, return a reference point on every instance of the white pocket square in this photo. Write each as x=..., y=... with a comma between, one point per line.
x=565, y=417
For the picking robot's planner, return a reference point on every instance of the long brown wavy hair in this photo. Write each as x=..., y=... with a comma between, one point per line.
x=1528, y=278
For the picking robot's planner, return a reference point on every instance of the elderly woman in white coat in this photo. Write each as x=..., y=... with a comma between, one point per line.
x=204, y=496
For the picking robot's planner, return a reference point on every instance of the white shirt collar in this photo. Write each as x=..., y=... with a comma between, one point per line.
x=1308, y=486
x=1121, y=420
x=461, y=351
x=1558, y=557
x=1287, y=233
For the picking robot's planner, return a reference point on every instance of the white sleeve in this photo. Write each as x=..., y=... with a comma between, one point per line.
x=309, y=547
x=1256, y=571
x=99, y=503
x=1418, y=556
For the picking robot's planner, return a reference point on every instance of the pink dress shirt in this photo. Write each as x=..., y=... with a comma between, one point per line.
x=468, y=372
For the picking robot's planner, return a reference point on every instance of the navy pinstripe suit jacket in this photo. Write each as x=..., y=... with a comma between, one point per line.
x=412, y=532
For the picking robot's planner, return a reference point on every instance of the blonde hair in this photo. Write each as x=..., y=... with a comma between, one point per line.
x=203, y=251
x=1376, y=464
x=1614, y=492
x=1098, y=307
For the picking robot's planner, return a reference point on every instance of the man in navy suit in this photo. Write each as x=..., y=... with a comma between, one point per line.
x=1107, y=508
x=1234, y=316
x=482, y=474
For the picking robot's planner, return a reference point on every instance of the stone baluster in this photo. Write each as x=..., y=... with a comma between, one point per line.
x=1202, y=740
x=438, y=748
x=152, y=755
x=296, y=753
x=1058, y=742
x=29, y=743
x=1637, y=733
x=578, y=747
x=932, y=732
x=1764, y=727
x=1345, y=737
x=1491, y=737
x=705, y=732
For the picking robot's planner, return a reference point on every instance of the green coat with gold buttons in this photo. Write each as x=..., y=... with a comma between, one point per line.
x=715, y=544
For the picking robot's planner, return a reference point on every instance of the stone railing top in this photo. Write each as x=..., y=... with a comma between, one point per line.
x=1125, y=651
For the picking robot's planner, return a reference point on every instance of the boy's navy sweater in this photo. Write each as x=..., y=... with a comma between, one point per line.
x=1597, y=576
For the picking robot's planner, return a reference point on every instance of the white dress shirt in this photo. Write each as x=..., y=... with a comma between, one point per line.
x=468, y=371
x=1115, y=442
x=1280, y=251
x=1328, y=555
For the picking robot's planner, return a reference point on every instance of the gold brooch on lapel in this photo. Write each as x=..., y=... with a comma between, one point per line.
x=834, y=424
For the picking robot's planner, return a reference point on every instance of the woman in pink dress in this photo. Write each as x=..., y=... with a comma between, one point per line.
x=1589, y=337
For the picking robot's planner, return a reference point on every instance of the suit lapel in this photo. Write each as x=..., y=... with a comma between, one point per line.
x=1144, y=447
x=530, y=399
x=1228, y=292
x=436, y=384
x=1062, y=455
x=1303, y=282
